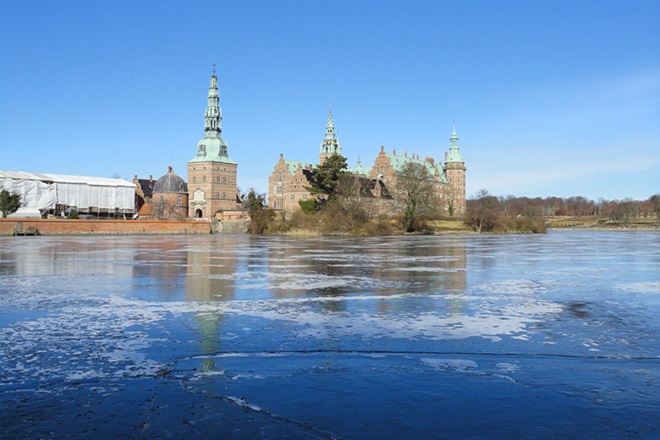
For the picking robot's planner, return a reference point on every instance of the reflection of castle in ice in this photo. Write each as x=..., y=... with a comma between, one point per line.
x=339, y=268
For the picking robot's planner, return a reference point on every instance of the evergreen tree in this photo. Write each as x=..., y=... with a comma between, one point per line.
x=259, y=217
x=9, y=202
x=325, y=177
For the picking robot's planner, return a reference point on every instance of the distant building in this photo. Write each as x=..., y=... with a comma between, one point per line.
x=288, y=182
x=212, y=173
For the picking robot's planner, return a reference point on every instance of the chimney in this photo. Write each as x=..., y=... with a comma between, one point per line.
x=445, y=156
x=151, y=178
x=394, y=152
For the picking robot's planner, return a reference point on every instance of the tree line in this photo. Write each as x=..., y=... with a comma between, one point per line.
x=578, y=206
x=486, y=212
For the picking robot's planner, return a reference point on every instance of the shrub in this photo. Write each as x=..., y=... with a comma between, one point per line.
x=534, y=225
x=308, y=206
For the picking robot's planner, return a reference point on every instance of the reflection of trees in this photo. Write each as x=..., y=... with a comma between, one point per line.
x=8, y=257
x=381, y=266
x=159, y=265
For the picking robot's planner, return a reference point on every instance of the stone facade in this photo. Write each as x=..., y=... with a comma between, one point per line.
x=287, y=183
x=213, y=188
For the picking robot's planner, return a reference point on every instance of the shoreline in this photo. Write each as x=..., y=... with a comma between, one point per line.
x=80, y=227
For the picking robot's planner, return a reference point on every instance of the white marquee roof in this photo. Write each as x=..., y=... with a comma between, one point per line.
x=62, y=178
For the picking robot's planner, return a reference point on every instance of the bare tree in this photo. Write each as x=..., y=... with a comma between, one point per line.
x=416, y=195
x=482, y=211
x=167, y=210
x=353, y=197
x=655, y=200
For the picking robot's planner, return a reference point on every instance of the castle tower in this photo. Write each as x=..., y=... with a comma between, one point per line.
x=330, y=144
x=455, y=171
x=212, y=173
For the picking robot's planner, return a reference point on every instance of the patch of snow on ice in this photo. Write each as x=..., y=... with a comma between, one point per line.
x=460, y=365
x=642, y=287
x=507, y=367
x=517, y=287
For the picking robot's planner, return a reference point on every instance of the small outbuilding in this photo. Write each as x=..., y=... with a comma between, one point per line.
x=170, y=197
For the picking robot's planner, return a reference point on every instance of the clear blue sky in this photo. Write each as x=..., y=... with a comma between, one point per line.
x=550, y=97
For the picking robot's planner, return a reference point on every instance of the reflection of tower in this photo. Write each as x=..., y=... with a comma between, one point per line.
x=210, y=277
x=457, y=279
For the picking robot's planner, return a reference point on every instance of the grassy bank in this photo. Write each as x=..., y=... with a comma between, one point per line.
x=601, y=223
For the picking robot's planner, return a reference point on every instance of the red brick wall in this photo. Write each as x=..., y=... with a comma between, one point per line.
x=110, y=227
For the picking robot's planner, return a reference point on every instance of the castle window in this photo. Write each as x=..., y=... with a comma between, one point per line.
x=293, y=197
x=194, y=179
x=224, y=195
x=179, y=199
x=203, y=179
x=224, y=180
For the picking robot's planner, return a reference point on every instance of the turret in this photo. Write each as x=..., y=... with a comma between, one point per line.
x=330, y=144
x=455, y=171
x=213, y=114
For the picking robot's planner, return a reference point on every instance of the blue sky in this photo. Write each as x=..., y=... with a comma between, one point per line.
x=549, y=97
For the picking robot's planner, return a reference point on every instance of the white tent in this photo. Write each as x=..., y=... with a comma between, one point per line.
x=48, y=192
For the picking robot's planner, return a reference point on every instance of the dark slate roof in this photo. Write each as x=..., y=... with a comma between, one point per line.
x=147, y=186
x=171, y=183
x=367, y=185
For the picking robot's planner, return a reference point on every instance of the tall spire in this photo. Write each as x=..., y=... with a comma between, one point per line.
x=330, y=144
x=212, y=147
x=454, y=155
x=330, y=127
x=213, y=114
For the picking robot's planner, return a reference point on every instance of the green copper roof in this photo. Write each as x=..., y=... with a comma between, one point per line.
x=330, y=144
x=212, y=148
x=454, y=155
x=359, y=169
x=292, y=165
x=398, y=162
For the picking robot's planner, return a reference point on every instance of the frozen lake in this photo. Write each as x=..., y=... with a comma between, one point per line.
x=237, y=336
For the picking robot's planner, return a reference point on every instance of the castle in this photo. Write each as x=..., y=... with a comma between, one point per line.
x=212, y=190
x=288, y=183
